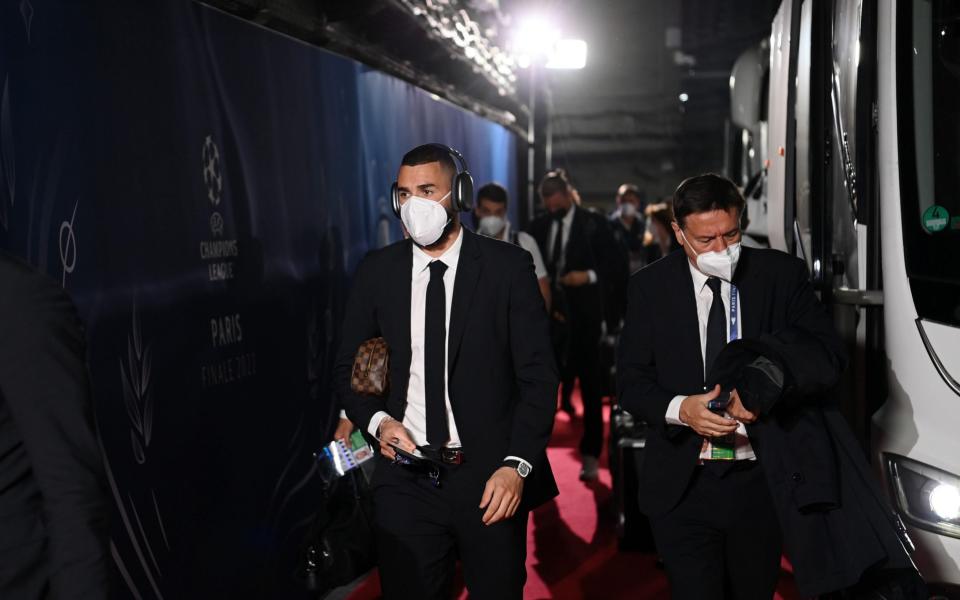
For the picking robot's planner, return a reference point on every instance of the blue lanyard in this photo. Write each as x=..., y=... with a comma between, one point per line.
x=734, y=322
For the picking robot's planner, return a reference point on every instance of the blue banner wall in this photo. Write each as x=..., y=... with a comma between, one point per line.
x=204, y=188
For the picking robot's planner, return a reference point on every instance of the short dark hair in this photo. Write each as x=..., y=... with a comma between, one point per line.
x=430, y=153
x=704, y=193
x=631, y=188
x=553, y=182
x=493, y=192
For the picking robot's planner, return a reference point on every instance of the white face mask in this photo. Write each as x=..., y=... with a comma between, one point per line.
x=424, y=219
x=491, y=226
x=627, y=209
x=720, y=264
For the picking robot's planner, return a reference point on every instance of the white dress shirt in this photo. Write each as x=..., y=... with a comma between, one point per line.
x=704, y=295
x=567, y=223
x=415, y=415
x=526, y=241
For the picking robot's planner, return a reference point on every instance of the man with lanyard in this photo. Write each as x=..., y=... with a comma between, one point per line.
x=712, y=515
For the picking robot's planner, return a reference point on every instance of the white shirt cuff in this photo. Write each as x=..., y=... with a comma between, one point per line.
x=529, y=466
x=592, y=275
x=378, y=417
x=673, y=411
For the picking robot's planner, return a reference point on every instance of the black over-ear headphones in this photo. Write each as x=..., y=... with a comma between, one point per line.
x=461, y=190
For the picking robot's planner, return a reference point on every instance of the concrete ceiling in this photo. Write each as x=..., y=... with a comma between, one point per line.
x=619, y=120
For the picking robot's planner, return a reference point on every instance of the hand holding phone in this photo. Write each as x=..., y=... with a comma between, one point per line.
x=391, y=433
x=410, y=457
x=696, y=413
x=719, y=404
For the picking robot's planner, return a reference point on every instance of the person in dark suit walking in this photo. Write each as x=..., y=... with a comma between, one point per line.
x=729, y=356
x=472, y=383
x=53, y=513
x=584, y=264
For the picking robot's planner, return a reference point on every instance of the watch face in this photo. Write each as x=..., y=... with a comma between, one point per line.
x=523, y=469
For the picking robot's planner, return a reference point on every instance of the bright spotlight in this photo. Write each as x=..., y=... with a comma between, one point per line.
x=945, y=501
x=533, y=41
x=684, y=97
x=568, y=54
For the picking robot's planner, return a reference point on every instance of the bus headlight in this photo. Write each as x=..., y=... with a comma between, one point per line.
x=945, y=501
x=926, y=496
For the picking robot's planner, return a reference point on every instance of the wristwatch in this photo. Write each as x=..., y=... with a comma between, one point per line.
x=523, y=469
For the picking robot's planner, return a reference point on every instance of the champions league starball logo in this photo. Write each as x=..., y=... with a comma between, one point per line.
x=218, y=253
x=216, y=224
x=212, y=175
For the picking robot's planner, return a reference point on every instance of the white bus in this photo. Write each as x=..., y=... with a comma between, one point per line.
x=846, y=125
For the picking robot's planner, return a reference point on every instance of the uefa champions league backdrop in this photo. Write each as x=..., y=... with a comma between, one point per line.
x=204, y=189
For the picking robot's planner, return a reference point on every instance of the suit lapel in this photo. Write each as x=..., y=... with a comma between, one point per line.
x=401, y=285
x=539, y=232
x=468, y=274
x=688, y=325
x=577, y=239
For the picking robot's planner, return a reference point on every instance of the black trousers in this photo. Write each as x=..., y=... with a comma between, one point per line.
x=723, y=539
x=423, y=529
x=583, y=362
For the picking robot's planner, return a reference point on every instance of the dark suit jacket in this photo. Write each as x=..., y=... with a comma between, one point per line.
x=629, y=242
x=502, y=379
x=834, y=522
x=53, y=517
x=591, y=246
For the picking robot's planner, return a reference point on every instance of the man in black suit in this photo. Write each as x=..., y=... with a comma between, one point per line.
x=584, y=265
x=721, y=485
x=472, y=382
x=53, y=516
x=712, y=516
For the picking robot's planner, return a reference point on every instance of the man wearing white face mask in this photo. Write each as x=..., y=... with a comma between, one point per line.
x=472, y=385
x=735, y=449
x=629, y=225
x=490, y=214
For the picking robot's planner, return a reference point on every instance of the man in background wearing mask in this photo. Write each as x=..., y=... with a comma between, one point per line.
x=490, y=214
x=472, y=386
x=583, y=263
x=629, y=225
x=720, y=477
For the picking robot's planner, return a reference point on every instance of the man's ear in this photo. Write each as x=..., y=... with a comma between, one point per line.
x=677, y=234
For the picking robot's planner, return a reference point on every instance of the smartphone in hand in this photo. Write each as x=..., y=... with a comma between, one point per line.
x=409, y=457
x=719, y=404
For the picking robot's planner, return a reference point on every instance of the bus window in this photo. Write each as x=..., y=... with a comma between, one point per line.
x=929, y=88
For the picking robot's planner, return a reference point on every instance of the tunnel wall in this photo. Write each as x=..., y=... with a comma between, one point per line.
x=204, y=189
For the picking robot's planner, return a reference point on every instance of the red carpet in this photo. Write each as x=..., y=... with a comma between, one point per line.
x=571, y=541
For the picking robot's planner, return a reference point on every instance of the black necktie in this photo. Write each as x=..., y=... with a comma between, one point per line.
x=434, y=356
x=716, y=325
x=557, y=252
